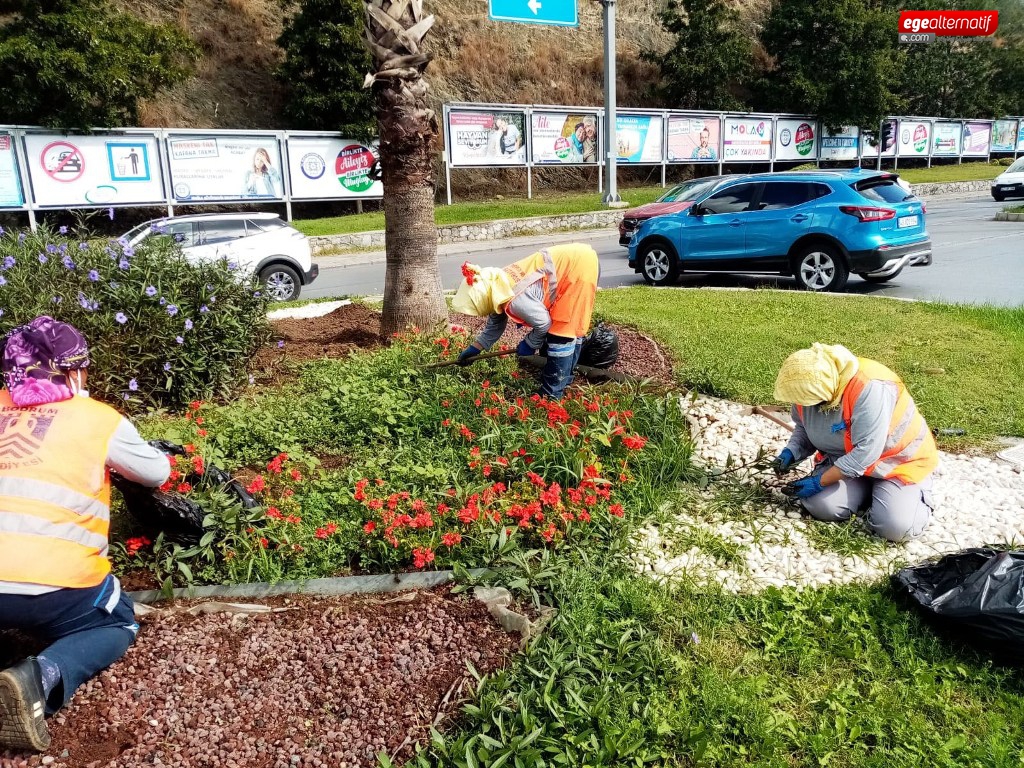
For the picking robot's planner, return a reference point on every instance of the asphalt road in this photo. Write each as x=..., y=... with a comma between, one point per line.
x=976, y=261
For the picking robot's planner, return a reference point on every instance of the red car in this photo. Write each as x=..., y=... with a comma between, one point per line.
x=678, y=198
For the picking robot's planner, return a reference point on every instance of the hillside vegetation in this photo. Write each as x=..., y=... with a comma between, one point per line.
x=476, y=59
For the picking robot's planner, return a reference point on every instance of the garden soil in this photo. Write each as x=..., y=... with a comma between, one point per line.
x=354, y=327
x=324, y=682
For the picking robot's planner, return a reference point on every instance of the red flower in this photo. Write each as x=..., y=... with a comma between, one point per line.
x=256, y=485
x=296, y=475
x=202, y=433
x=263, y=542
x=293, y=519
x=328, y=530
x=360, y=493
x=274, y=513
x=487, y=470
x=616, y=510
x=451, y=539
x=195, y=405
x=421, y=556
x=370, y=527
x=190, y=449
x=198, y=465
x=634, y=442
x=184, y=488
x=132, y=546
x=200, y=420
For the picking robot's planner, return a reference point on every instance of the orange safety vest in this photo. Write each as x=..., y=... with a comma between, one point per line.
x=910, y=453
x=569, y=274
x=55, y=492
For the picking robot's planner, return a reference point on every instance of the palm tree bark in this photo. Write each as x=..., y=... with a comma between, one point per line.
x=413, y=295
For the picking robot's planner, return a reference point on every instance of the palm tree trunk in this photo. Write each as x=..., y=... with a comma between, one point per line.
x=408, y=132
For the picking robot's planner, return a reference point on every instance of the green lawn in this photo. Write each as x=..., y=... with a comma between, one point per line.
x=575, y=202
x=963, y=365
x=1014, y=209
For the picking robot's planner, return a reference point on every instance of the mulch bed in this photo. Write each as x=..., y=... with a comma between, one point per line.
x=326, y=682
x=354, y=327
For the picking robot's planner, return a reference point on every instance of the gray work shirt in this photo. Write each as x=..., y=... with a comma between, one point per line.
x=825, y=431
x=132, y=458
x=528, y=307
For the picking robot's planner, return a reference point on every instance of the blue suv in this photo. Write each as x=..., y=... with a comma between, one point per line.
x=818, y=226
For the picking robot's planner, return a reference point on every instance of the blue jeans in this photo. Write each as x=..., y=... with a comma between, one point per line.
x=563, y=354
x=89, y=629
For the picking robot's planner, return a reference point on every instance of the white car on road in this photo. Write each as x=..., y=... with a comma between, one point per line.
x=259, y=243
x=1010, y=183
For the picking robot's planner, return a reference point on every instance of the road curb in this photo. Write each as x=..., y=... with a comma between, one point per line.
x=1007, y=216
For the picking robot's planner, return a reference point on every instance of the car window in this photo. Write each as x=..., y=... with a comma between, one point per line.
x=255, y=226
x=883, y=190
x=784, y=194
x=221, y=231
x=1017, y=167
x=731, y=200
x=183, y=232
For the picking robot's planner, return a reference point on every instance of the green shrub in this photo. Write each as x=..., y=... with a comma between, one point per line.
x=162, y=331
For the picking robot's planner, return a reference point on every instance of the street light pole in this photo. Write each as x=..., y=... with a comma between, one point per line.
x=611, y=197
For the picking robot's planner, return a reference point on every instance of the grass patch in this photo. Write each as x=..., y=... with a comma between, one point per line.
x=847, y=539
x=471, y=213
x=938, y=174
x=1014, y=208
x=963, y=364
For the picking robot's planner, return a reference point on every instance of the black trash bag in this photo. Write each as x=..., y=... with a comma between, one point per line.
x=600, y=347
x=974, y=597
x=178, y=518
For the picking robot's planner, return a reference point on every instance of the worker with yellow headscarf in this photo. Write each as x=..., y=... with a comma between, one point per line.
x=552, y=292
x=874, y=449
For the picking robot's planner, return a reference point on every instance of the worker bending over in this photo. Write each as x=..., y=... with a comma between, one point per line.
x=552, y=292
x=56, y=449
x=874, y=448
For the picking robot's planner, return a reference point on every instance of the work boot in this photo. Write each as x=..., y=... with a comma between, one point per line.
x=23, y=708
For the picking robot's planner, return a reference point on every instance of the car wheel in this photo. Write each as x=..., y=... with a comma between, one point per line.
x=868, y=278
x=998, y=198
x=281, y=282
x=658, y=264
x=820, y=268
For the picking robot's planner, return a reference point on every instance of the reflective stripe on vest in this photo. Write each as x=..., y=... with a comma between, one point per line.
x=569, y=274
x=910, y=453
x=55, y=492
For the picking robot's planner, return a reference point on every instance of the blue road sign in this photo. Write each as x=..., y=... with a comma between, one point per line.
x=561, y=13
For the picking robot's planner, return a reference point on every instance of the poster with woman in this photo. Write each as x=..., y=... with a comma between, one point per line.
x=225, y=167
x=694, y=139
x=563, y=138
x=486, y=138
x=1004, y=135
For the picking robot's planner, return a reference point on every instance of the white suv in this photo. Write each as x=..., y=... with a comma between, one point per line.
x=259, y=243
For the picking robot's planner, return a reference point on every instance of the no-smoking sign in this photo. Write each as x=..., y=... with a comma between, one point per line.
x=62, y=161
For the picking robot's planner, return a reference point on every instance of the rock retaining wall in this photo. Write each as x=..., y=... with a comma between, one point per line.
x=538, y=225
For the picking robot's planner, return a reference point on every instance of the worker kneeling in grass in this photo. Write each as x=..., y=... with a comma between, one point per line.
x=552, y=292
x=56, y=446
x=874, y=449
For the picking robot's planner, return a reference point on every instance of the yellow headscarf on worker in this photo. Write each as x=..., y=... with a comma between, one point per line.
x=485, y=291
x=818, y=375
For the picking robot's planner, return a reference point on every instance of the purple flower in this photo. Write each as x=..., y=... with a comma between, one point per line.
x=1, y=230
x=1, y=313
x=50, y=248
x=56, y=299
x=9, y=261
x=179, y=339
x=256, y=294
x=213, y=299
x=124, y=395
x=162, y=301
x=68, y=263
x=695, y=638
x=252, y=379
x=123, y=264
x=63, y=248
x=188, y=325
x=114, y=285
x=151, y=291
x=172, y=310
x=22, y=237
x=110, y=213
x=83, y=301
x=3, y=280
x=94, y=306
x=94, y=275
x=129, y=251
x=203, y=309
x=121, y=318
x=133, y=385
x=167, y=367
x=280, y=345
x=42, y=258
x=63, y=230
x=83, y=246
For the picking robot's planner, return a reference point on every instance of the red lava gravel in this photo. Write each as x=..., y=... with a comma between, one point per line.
x=330, y=682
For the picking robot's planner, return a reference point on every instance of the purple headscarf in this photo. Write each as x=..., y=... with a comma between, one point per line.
x=37, y=357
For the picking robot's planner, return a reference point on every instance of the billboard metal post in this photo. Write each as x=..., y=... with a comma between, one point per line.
x=21, y=158
x=611, y=197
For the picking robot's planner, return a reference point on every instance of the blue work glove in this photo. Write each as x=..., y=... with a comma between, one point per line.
x=525, y=350
x=807, y=487
x=467, y=355
x=783, y=462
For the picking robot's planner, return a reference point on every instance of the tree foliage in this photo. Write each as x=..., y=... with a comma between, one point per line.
x=710, y=60
x=325, y=63
x=81, y=63
x=837, y=59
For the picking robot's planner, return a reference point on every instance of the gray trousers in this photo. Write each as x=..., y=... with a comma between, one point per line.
x=895, y=511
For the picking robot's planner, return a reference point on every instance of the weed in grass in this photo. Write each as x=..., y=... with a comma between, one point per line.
x=847, y=539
